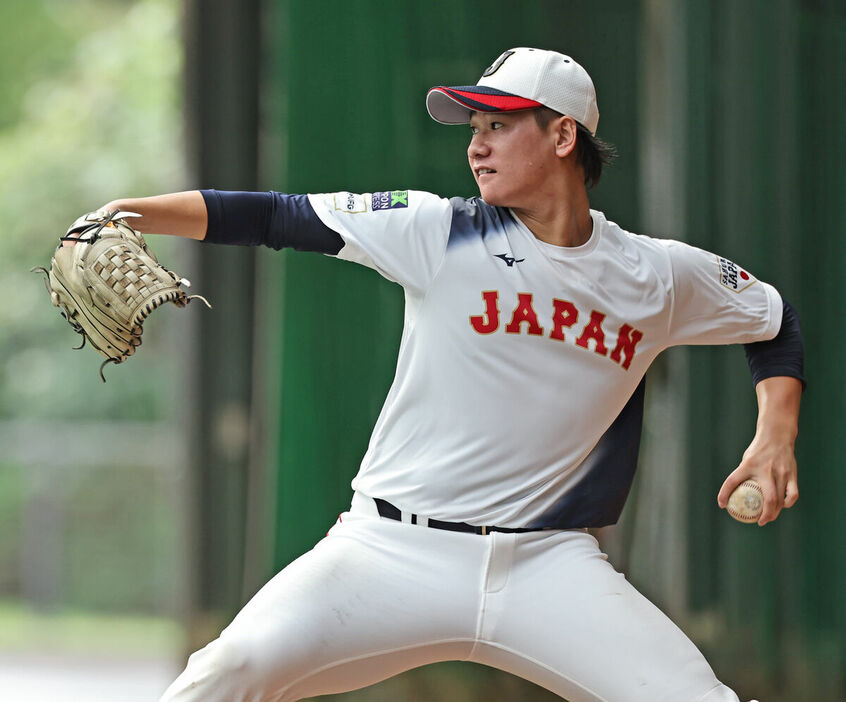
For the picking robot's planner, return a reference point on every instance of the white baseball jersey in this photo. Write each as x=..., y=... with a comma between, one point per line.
x=518, y=394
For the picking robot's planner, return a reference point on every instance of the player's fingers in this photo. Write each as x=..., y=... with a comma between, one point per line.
x=784, y=474
x=776, y=504
x=731, y=482
x=772, y=501
x=75, y=235
x=791, y=493
x=781, y=489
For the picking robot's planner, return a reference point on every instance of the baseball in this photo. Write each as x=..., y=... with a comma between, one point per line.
x=746, y=502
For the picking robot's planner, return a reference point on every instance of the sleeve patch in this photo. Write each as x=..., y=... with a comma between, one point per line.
x=389, y=200
x=350, y=202
x=733, y=276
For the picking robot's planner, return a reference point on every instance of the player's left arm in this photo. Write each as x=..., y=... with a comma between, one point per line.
x=777, y=369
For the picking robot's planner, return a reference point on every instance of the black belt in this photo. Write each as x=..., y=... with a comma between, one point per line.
x=386, y=509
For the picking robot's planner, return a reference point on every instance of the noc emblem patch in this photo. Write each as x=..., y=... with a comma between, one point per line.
x=389, y=200
x=733, y=276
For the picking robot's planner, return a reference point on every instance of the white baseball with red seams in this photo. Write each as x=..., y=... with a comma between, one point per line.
x=746, y=502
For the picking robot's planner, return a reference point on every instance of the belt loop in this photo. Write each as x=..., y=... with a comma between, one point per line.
x=423, y=521
x=406, y=517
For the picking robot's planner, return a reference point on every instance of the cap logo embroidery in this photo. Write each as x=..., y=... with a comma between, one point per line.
x=494, y=67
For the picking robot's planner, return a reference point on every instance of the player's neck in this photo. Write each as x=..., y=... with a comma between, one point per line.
x=560, y=221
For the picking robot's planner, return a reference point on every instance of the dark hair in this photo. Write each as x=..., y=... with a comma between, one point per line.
x=591, y=152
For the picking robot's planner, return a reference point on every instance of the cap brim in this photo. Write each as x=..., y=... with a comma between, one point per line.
x=454, y=105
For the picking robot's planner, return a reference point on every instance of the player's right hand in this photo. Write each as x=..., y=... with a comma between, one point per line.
x=81, y=223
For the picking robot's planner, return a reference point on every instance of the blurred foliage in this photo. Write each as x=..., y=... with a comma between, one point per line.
x=107, y=543
x=72, y=631
x=120, y=552
x=34, y=43
x=90, y=111
x=11, y=494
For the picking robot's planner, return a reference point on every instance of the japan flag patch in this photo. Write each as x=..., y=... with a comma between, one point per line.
x=733, y=276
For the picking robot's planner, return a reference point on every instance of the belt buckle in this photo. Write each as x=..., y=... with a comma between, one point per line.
x=484, y=531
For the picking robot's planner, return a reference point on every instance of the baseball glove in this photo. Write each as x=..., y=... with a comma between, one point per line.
x=109, y=282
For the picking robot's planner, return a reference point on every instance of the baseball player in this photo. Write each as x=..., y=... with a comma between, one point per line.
x=513, y=422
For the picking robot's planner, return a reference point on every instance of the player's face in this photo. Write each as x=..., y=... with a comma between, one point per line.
x=511, y=158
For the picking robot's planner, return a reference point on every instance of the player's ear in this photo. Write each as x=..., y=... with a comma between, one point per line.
x=565, y=135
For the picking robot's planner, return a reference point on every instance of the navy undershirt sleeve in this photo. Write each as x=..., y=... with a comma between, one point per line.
x=269, y=219
x=782, y=355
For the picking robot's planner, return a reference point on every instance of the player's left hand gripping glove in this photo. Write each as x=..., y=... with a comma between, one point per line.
x=109, y=282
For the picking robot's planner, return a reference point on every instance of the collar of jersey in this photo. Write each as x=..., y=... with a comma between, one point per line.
x=563, y=253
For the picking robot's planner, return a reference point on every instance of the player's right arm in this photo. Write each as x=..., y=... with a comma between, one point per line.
x=178, y=214
x=402, y=234
x=277, y=220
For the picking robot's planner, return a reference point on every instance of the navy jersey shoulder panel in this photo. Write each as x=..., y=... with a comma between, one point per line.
x=598, y=499
x=272, y=219
x=473, y=218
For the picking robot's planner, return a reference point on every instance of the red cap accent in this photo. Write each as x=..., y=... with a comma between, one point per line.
x=486, y=99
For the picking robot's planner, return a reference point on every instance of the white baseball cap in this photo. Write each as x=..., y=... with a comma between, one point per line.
x=521, y=79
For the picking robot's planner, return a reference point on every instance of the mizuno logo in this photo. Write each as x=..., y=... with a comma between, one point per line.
x=509, y=261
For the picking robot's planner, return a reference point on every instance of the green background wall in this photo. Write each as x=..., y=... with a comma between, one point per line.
x=767, y=187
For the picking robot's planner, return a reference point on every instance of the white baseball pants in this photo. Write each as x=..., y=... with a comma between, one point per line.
x=377, y=597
